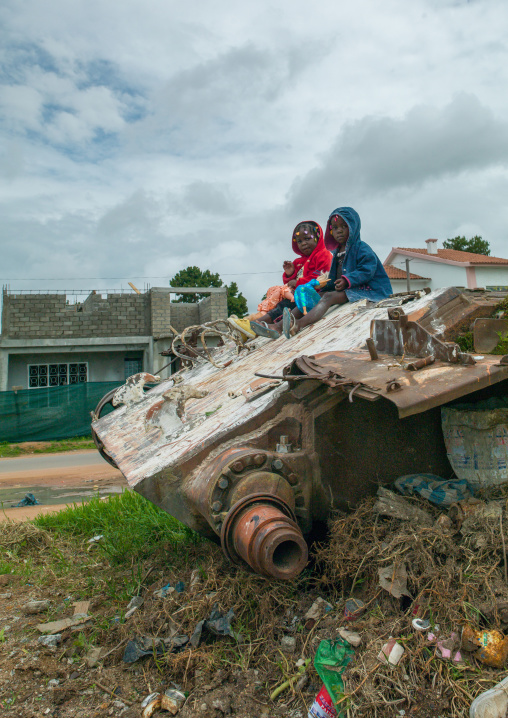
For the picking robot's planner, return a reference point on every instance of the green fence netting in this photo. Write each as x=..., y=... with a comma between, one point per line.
x=59, y=412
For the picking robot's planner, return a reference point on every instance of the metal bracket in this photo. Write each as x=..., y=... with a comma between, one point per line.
x=399, y=336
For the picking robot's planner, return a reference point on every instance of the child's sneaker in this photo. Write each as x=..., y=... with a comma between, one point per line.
x=242, y=326
x=492, y=703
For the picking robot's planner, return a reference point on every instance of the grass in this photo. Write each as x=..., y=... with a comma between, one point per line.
x=132, y=527
x=45, y=447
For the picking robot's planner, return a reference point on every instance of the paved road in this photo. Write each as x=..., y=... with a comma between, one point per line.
x=51, y=461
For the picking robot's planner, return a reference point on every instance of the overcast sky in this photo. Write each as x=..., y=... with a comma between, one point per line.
x=138, y=138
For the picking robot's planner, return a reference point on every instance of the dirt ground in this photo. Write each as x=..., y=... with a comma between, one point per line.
x=97, y=477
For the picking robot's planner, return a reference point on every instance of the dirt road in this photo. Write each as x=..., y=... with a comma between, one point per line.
x=56, y=480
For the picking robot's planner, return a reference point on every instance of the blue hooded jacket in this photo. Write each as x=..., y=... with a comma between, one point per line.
x=361, y=267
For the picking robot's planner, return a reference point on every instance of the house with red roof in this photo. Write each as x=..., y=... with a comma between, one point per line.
x=436, y=268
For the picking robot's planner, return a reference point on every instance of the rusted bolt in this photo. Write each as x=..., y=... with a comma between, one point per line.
x=237, y=466
x=259, y=459
x=277, y=464
x=223, y=483
x=293, y=479
x=216, y=506
x=393, y=385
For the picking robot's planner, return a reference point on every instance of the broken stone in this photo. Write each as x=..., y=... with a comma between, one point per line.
x=53, y=683
x=5, y=595
x=354, y=639
x=50, y=641
x=288, y=644
x=36, y=606
x=93, y=657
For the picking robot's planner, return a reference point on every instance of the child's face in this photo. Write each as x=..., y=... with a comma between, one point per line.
x=305, y=239
x=339, y=230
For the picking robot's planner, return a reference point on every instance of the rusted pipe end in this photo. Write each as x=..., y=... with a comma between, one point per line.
x=266, y=538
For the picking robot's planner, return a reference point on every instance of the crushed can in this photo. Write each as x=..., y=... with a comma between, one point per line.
x=489, y=646
x=323, y=706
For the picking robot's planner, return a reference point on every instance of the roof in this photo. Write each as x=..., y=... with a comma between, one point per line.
x=454, y=255
x=396, y=273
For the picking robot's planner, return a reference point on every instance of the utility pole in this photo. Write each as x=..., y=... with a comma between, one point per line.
x=408, y=276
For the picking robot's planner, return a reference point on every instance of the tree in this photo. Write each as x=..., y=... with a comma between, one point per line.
x=476, y=244
x=195, y=277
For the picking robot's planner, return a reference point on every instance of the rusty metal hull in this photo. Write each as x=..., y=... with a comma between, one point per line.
x=209, y=451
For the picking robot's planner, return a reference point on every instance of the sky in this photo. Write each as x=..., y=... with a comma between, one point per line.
x=138, y=138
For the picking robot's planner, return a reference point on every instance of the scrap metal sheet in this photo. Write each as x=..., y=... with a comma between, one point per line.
x=419, y=391
x=141, y=451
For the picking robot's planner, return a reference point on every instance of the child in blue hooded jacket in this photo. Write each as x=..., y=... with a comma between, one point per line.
x=356, y=272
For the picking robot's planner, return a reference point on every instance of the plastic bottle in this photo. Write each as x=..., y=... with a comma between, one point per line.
x=322, y=706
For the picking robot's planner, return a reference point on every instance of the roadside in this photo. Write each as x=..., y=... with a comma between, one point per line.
x=56, y=480
x=80, y=443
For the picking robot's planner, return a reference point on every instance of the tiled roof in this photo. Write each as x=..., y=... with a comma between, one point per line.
x=455, y=255
x=396, y=273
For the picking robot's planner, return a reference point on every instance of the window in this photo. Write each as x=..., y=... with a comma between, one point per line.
x=43, y=375
x=132, y=366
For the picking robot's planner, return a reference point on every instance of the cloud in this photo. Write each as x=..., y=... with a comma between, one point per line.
x=379, y=154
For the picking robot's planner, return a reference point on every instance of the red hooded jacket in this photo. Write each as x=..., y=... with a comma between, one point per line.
x=312, y=266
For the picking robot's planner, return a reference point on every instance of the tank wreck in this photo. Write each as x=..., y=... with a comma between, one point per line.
x=251, y=446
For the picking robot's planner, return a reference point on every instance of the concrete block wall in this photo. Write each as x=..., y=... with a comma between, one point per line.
x=184, y=315
x=32, y=316
x=161, y=312
x=48, y=316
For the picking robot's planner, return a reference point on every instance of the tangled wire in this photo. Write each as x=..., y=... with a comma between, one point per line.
x=190, y=336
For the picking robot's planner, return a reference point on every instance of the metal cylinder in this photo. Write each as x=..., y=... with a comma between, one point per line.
x=269, y=541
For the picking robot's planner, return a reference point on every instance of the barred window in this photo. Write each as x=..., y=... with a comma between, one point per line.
x=44, y=375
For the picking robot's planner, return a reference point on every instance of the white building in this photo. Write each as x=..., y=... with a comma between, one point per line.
x=436, y=268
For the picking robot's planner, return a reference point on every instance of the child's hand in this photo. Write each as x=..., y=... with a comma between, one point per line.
x=291, y=284
x=340, y=284
x=289, y=268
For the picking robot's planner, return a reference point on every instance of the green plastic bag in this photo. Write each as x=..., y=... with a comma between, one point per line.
x=330, y=661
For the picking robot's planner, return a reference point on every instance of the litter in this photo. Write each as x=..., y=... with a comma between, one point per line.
x=322, y=706
x=447, y=648
x=142, y=646
x=434, y=488
x=172, y=700
x=490, y=646
x=330, y=661
x=394, y=580
x=353, y=609
x=391, y=652
x=29, y=500
x=133, y=606
x=151, y=704
x=318, y=609
x=165, y=591
x=492, y=703
x=354, y=639
x=218, y=624
x=57, y=626
x=420, y=624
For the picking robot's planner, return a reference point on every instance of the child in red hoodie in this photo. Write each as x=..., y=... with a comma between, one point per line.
x=314, y=259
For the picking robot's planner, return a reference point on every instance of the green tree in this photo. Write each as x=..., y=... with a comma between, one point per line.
x=476, y=244
x=196, y=277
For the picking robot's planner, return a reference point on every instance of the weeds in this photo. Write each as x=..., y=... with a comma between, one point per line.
x=132, y=527
x=45, y=447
